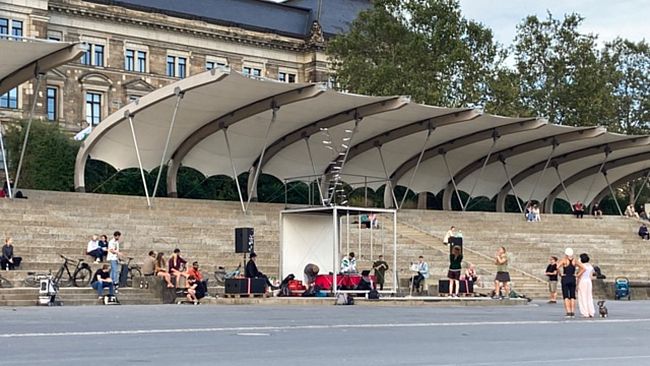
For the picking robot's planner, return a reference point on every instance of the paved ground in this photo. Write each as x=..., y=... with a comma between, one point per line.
x=322, y=335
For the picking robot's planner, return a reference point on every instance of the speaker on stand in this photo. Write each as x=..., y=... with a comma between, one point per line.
x=244, y=241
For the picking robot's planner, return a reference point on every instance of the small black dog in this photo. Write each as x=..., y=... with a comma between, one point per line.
x=602, y=309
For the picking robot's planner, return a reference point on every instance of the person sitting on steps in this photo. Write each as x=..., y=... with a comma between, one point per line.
x=94, y=250
x=643, y=232
x=176, y=266
x=596, y=212
x=161, y=271
x=201, y=284
x=7, y=259
x=578, y=209
x=418, y=281
x=101, y=280
x=348, y=264
x=192, y=286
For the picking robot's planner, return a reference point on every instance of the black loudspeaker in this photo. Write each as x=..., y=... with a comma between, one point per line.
x=455, y=241
x=244, y=239
x=245, y=286
x=466, y=287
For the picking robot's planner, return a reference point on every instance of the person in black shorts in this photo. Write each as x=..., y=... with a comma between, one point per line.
x=551, y=273
x=568, y=266
x=455, y=262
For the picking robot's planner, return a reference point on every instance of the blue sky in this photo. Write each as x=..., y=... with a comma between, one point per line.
x=607, y=18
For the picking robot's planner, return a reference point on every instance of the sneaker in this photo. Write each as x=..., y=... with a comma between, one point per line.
x=100, y=297
x=196, y=302
x=568, y=316
x=97, y=260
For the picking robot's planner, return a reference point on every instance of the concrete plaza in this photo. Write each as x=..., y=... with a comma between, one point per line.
x=536, y=334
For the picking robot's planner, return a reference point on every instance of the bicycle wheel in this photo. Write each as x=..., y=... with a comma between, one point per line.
x=4, y=283
x=134, y=272
x=31, y=282
x=82, y=277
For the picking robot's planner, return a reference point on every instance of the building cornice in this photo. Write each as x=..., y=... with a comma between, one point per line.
x=227, y=35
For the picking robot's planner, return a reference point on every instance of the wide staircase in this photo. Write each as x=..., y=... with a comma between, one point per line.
x=50, y=224
x=611, y=242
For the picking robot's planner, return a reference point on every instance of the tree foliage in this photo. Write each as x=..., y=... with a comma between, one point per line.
x=49, y=158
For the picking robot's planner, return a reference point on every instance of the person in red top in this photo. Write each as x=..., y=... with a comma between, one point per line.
x=176, y=266
x=201, y=284
x=578, y=209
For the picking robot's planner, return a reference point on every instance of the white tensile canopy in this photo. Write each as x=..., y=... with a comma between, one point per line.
x=24, y=59
x=222, y=122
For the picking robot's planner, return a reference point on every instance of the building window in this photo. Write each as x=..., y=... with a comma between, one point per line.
x=93, y=108
x=129, y=60
x=141, y=66
x=182, y=67
x=4, y=26
x=99, y=55
x=10, y=99
x=176, y=66
x=252, y=71
x=16, y=28
x=209, y=65
x=171, y=66
x=93, y=54
x=51, y=100
x=54, y=36
x=286, y=77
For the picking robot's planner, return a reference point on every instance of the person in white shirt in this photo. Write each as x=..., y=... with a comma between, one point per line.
x=94, y=250
x=423, y=273
x=450, y=233
x=349, y=264
x=113, y=256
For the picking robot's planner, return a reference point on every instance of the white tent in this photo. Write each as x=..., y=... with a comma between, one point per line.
x=222, y=122
x=313, y=235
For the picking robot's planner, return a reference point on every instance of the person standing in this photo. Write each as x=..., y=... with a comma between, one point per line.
x=7, y=259
x=551, y=273
x=380, y=266
x=113, y=257
x=502, y=278
x=568, y=267
x=585, y=293
x=455, y=263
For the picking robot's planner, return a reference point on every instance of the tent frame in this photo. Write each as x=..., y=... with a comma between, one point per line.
x=338, y=212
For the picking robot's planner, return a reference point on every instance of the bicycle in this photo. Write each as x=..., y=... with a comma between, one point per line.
x=221, y=275
x=80, y=277
x=5, y=283
x=134, y=271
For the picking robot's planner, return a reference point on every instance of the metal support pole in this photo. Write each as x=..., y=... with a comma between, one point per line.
x=495, y=138
x=234, y=172
x=4, y=162
x=286, y=194
x=611, y=190
x=39, y=77
x=347, y=231
x=179, y=96
x=417, y=165
x=313, y=167
x=389, y=184
x=336, y=249
x=645, y=182
x=559, y=177
x=512, y=186
x=275, y=109
x=541, y=176
x=395, y=283
x=453, y=181
x=365, y=191
x=137, y=153
x=600, y=169
x=371, y=241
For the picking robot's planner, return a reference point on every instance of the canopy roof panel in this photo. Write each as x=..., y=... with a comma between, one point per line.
x=289, y=130
x=24, y=58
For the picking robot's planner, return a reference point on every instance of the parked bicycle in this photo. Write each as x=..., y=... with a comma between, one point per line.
x=79, y=276
x=134, y=271
x=5, y=283
x=221, y=275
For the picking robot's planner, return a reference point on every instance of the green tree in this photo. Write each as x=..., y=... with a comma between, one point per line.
x=49, y=159
x=421, y=48
x=561, y=72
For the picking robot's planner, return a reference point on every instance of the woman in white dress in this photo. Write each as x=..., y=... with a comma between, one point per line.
x=585, y=294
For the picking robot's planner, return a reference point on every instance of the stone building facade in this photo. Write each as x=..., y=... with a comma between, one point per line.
x=133, y=49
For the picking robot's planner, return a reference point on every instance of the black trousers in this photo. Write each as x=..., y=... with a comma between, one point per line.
x=417, y=281
x=4, y=263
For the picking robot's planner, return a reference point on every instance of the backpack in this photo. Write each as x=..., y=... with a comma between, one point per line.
x=373, y=295
x=343, y=299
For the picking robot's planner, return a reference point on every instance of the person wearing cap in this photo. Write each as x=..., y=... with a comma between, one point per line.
x=253, y=272
x=568, y=267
